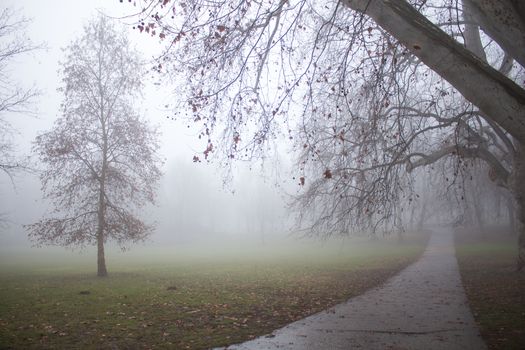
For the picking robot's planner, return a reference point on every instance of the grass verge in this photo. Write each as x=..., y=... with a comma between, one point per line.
x=495, y=290
x=185, y=304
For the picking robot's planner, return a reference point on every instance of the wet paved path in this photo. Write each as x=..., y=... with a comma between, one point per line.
x=423, y=307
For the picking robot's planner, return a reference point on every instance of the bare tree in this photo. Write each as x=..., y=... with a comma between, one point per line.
x=13, y=98
x=100, y=157
x=379, y=88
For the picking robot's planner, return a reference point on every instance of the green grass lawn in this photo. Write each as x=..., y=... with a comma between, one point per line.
x=495, y=290
x=183, y=303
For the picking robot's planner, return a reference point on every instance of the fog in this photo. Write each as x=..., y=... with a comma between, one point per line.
x=195, y=204
x=200, y=203
x=317, y=169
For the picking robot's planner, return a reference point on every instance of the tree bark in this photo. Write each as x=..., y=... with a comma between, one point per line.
x=412, y=216
x=471, y=33
x=101, y=260
x=501, y=99
x=519, y=195
x=399, y=225
x=503, y=22
x=512, y=215
x=477, y=206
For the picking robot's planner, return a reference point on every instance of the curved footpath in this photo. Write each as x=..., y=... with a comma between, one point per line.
x=423, y=307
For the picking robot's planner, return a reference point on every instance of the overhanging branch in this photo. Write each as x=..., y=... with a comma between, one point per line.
x=502, y=174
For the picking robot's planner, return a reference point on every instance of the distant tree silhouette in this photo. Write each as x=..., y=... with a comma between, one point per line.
x=100, y=157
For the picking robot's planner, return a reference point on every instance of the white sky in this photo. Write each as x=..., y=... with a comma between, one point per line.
x=192, y=197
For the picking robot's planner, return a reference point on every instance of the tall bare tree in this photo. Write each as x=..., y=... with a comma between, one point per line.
x=100, y=157
x=379, y=87
x=13, y=98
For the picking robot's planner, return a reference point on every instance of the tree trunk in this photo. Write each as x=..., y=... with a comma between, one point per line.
x=494, y=94
x=497, y=207
x=422, y=216
x=512, y=215
x=400, y=235
x=519, y=195
x=503, y=22
x=471, y=32
x=412, y=217
x=101, y=260
x=478, y=211
x=399, y=226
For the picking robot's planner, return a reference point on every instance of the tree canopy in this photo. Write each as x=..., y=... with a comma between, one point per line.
x=369, y=91
x=100, y=157
x=13, y=98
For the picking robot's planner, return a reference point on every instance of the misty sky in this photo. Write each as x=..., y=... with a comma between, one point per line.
x=193, y=204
